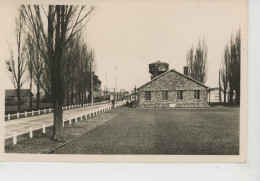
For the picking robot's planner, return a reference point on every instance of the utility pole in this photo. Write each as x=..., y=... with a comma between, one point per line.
x=106, y=85
x=135, y=93
x=104, y=93
x=116, y=80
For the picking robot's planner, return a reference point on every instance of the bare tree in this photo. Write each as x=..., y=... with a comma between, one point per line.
x=64, y=22
x=237, y=44
x=190, y=60
x=17, y=67
x=30, y=56
x=197, y=62
x=224, y=72
x=231, y=68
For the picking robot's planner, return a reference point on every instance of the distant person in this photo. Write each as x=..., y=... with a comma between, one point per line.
x=113, y=103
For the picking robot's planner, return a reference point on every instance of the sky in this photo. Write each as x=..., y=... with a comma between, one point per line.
x=131, y=34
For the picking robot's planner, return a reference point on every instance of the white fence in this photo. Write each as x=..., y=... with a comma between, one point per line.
x=49, y=110
x=44, y=126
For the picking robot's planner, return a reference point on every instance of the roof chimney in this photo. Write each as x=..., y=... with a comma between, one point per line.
x=185, y=70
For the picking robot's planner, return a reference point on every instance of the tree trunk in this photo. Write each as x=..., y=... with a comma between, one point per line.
x=71, y=96
x=225, y=95
x=238, y=96
x=85, y=96
x=76, y=96
x=231, y=96
x=68, y=96
x=30, y=90
x=82, y=96
x=57, y=89
x=58, y=122
x=38, y=95
x=19, y=98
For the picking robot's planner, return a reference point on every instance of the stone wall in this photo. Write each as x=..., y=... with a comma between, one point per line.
x=172, y=82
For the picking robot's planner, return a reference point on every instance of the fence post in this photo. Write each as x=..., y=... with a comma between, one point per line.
x=31, y=132
x=63, y=123
x=9, y=117
x=32, y=112
x=39, y=112
x=25, y=113
x=76, y=119
x=17, y=115
x=44, y=111
x=81, y=117
x=43, y=128
x=14, y=138
x=70, y=121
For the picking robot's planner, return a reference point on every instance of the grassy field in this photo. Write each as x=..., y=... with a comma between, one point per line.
x=211, y=131
x=25, y=107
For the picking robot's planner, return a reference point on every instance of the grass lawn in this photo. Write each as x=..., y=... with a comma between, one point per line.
x=209, y=131
x=41, y=143
x=25, y=107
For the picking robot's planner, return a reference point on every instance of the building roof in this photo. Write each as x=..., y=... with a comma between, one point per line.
x=172, y=70
x=13, y=93
x=215, y=89
x=158, y=62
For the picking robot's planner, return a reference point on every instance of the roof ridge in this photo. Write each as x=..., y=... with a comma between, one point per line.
x=172, y=70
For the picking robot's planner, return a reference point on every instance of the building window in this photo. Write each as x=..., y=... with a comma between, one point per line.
x=197, y=94
x=179, y=94
x=165, y=95
x=148, y=95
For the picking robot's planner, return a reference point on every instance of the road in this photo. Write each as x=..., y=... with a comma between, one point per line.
x=23, y=125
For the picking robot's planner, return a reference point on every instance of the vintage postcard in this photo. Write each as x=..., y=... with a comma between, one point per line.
x=124, y=81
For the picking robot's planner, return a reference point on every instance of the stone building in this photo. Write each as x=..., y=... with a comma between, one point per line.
x=172, y=89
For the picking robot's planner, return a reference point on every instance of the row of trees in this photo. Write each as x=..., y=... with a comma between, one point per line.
x=230, y=70
x=51, y=47
x=197, y=61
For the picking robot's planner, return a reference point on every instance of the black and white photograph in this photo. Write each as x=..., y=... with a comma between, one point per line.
x=124, y=81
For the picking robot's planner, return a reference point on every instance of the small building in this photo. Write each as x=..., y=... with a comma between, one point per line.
x=133, y=97
x=11, y=96
x=213, y=95
x=170, y=88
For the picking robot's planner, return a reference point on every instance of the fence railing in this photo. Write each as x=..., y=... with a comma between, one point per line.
x=87, y=115
x=47, y=110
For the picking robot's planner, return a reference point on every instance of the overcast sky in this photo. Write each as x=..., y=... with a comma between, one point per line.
x=132, y=34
